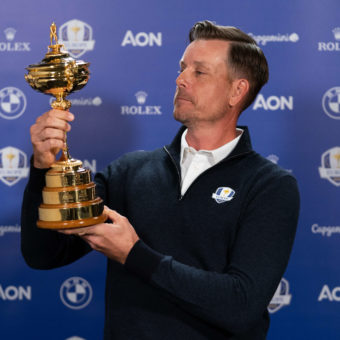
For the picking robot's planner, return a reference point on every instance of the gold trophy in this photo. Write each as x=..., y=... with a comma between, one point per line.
x=69, y=199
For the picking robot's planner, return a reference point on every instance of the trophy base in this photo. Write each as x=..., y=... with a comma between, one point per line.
x=69, y=198
x=71, y=224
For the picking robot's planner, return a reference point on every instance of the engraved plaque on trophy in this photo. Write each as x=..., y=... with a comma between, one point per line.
x=69, y=199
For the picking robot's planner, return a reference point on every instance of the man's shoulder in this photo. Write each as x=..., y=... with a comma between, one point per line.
x=265, y=170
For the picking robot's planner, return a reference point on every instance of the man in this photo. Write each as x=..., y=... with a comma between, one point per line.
x=202, y=229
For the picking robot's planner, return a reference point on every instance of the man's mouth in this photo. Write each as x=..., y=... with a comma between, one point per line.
x=182, y=97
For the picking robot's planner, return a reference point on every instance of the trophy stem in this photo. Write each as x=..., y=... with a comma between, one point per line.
x=65, y=155
x=62, y=104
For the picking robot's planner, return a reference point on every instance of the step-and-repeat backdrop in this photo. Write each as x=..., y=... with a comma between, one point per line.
x=134, y=48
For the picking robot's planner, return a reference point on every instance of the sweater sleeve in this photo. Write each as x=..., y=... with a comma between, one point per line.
x=42, y=248
x=236, y=299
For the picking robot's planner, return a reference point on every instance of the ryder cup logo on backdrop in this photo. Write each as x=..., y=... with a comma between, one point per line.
x=330, y=165
x=223, y=194
x=13, y=165
x=281, y=297
x=12, y=103
x=76, y=293
x=141, y=109
x=331, y=46
x=278, y=38
x=13, y=46
x=142, y=39
x=76, y=36
x=331, y=102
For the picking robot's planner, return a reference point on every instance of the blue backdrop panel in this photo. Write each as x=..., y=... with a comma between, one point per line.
x=134, y=48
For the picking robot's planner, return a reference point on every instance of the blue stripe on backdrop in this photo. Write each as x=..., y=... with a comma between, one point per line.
x=134, y=48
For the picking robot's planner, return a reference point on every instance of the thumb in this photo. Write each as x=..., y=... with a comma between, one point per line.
x=112, y=214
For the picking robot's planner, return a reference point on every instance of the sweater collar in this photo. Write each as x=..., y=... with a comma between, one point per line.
x=243, y=146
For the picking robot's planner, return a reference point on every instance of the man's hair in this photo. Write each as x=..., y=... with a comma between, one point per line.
x=245, y=58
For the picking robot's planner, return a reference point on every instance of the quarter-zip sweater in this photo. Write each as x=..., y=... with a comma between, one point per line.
x=201, y=269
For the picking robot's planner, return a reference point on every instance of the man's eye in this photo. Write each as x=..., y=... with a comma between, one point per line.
x=199, y=73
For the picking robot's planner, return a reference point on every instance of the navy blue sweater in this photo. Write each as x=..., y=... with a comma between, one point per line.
x=203, y=269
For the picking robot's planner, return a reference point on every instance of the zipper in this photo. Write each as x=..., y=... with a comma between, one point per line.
x=180, y=197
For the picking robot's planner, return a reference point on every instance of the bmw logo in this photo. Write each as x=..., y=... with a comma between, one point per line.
x=12, y=103
x=76, y=293
x=331, y=102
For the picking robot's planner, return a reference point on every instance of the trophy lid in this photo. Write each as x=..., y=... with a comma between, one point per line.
x=58, y=72
x=56, y=57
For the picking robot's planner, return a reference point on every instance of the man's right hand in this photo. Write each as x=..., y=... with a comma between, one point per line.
x=48, y=136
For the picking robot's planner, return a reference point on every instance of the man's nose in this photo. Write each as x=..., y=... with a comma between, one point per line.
x=181, y=80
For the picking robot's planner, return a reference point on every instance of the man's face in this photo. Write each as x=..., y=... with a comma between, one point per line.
x=203, y=86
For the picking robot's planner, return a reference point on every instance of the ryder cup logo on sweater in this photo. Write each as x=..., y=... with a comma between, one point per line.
x=223, y=194
x=13, y=165
x=76, y=36
x=141, y=109
x=12, y=103
x=76, y=293
x=331, y=102
x=331, y=46
x=281, y=297
x=13, y=46
x=330, y=165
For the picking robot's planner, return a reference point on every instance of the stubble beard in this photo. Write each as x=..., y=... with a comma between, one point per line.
x=192, y=118
x=191, y=115
x=185, y=117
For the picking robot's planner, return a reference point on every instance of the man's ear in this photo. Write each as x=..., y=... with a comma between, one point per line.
x=240, y=88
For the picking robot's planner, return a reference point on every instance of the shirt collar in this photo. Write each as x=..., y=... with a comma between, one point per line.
x=215, y=155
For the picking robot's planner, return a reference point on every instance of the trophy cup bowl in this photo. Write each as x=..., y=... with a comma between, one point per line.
x=69, y=199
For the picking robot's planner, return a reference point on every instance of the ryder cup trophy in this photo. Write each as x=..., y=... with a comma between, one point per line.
x=69, y=199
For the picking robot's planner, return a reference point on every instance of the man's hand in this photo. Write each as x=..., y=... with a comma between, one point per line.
x=48, y=136
x=113, y=240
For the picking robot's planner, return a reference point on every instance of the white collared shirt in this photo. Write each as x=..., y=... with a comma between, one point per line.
x=193, y=162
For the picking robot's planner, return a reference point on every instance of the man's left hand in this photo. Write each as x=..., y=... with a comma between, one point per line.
x=113, y=240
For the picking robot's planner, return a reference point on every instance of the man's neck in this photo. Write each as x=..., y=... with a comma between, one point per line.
x=210, y=136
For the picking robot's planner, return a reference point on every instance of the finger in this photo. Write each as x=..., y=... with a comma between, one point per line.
x=60, y=114
x=49, y=145
x=113, y=215
x=63, y=114
x=56, y=119
x=77, y=231
x=48, y=133
x=51, y=133
x=54, y=122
